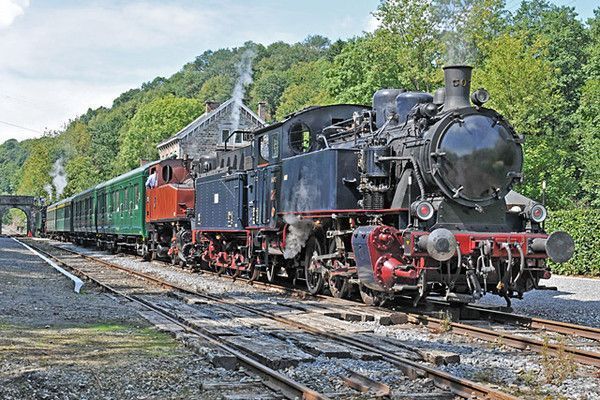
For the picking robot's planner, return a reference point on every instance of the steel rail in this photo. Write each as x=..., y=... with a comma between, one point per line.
x=511, y=340
x=459, y=386
x=273, y=379
x=567, y=328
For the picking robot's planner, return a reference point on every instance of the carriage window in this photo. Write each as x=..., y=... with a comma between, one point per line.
x=235, y=162
x=167, y=173
x=300, y=138
x=222, y=163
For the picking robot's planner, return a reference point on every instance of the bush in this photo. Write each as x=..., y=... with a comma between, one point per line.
x=584, y=225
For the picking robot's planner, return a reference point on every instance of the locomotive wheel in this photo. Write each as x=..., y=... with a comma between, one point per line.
x=253, y=272
x=369, y=297
x=146, y=255
x=338, y=286
x=314, y=279
x=271, y=272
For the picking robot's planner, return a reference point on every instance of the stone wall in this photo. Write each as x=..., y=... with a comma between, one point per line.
x=208, y=140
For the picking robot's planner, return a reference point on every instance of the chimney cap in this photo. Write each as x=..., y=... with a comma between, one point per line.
x=457, y=66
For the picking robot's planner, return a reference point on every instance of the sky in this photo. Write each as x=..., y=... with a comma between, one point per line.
x=60, y=57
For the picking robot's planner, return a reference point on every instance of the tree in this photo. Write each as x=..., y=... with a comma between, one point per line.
x=12, y=156
x=565, y=43
x=414, y=29
x=152, y=123
x=269, y=88
x=524, y=89
x=82, y=174
x=218, y=88
x=467, y=25
x=75, y=140
x=588, y=117
x=306, y=87
x=36, y=169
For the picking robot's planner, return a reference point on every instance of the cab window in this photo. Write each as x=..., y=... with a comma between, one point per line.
x=300, y=137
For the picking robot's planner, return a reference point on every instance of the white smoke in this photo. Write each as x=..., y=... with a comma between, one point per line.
x=10, y=10
x=244, y=70
x=59, y=180
x=298, y=233
x=48, y=188
x=299, y=229
x=453, y=17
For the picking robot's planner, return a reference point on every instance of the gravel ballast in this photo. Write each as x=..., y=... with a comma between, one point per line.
x=521, y=372
x=576, y=300
x=56, y=344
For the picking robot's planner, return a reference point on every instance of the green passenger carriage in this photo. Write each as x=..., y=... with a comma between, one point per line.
x=120, y=210
x=59, y=218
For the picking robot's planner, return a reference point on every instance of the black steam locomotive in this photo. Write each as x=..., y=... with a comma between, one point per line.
x=411, y=197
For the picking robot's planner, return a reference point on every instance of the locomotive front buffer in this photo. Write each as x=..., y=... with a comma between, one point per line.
x=412, y=262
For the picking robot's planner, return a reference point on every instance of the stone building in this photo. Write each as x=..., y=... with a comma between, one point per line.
x=209, y=131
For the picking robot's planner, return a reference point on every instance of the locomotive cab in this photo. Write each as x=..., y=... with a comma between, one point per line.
x=169, y=203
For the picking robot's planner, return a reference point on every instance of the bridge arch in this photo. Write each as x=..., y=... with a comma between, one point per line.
x=23, y=203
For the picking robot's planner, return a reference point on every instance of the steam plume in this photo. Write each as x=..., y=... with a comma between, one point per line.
x=298, y=233
x=244, y=70
x=300, y=229
x=59, y=180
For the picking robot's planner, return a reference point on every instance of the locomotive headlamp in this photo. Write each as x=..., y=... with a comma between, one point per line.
x=423, y=210
x=538, y=213
x=480, y=96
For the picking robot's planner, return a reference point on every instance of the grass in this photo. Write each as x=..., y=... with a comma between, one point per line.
x=445, y=323
x=557, y=367
x=95, y=343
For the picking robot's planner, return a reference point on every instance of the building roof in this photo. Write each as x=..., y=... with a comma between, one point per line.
x=205, y=119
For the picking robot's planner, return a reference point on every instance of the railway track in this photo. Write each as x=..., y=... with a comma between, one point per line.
x=451, y=384
x=273, y=380
x=566, y=328
x=520, y=342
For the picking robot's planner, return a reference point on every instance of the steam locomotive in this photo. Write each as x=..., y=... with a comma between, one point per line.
x=410, y=197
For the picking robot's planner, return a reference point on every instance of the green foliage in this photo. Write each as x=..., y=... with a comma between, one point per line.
x=12, y=156
x=306, y=87
x=36, y=169
x=152, y=123
x=269, y=89
x=588, y=118
x=218, y=88
x=82, y=174
x=584, y=225
x=520, y=81
x=106, y=127
x=565, y=42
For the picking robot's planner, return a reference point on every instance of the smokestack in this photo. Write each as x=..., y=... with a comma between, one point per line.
x=262, y=110
x=211, y=106
x=457, y=79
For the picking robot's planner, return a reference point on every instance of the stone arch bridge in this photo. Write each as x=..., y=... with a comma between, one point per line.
x=24, y=203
